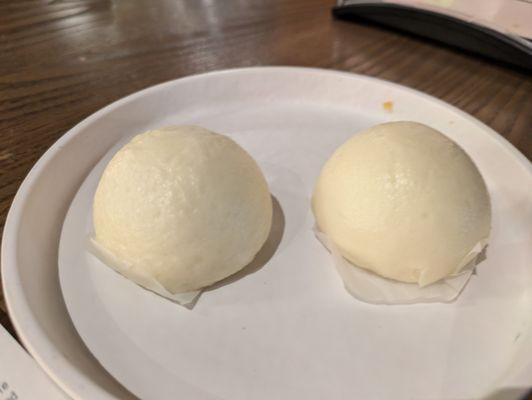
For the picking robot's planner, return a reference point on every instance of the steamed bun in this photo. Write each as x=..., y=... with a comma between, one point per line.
x=183, y=206
x=403, y=201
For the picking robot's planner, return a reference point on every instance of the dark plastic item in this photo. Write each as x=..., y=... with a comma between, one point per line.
x=443, y=28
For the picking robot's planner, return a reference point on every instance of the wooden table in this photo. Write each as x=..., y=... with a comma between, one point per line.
x=60, y=61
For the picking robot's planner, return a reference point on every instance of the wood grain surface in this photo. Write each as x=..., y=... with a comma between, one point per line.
x=60, y=61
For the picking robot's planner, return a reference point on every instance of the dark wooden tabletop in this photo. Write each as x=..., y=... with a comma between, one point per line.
x=60, y=61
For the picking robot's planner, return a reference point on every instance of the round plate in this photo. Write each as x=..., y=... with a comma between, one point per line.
x=284, y=328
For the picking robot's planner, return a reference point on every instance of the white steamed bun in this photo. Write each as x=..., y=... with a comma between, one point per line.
x=182, y=206
x=402, y=200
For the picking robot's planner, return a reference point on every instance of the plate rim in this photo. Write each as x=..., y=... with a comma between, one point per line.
x=27, y=328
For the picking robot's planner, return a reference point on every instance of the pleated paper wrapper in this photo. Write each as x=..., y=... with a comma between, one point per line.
x=147, y=282
x=371, y=288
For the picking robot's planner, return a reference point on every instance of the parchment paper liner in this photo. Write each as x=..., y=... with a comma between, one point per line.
x=371, y=288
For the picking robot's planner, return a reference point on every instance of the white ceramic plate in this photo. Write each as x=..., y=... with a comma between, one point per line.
x=288, y=329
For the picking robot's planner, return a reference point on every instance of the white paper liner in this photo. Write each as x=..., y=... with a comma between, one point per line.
x=147, y=282
x=371, y=288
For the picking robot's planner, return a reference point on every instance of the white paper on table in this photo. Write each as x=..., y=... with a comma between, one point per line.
x=371, y=288
x=147, y=282
x=20, y=376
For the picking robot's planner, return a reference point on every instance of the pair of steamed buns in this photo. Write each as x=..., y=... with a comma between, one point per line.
x=180, y=208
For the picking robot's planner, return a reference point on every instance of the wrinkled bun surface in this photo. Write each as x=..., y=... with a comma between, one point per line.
x=404, y=201
x=183, y=206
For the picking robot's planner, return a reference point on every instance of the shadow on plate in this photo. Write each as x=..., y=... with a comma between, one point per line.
x=510, y=394
x=265, y=253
